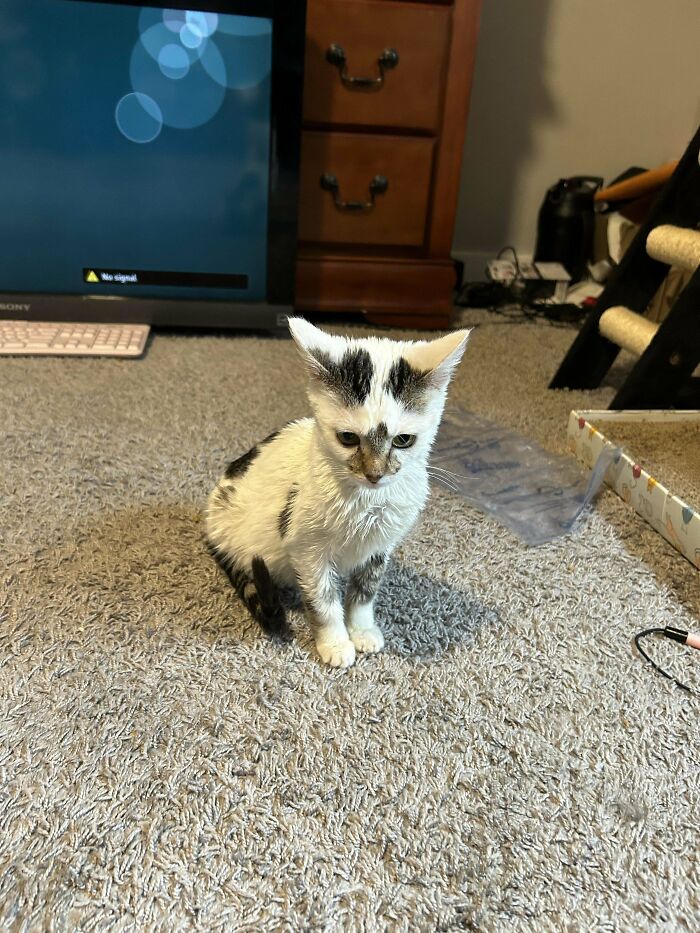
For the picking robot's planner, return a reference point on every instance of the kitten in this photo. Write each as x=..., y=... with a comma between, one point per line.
x=327, y=499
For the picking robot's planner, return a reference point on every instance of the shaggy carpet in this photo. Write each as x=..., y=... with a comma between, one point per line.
x=507, y=763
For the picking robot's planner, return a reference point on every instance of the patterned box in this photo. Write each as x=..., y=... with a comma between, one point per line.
x=675, y=519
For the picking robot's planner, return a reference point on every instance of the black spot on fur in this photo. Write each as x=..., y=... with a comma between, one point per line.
x=223, y=561
x=351, y=378
x=225, y=495
x=286, y=513
x=407, y=384
x=271, y=615
x=240, y=466
x=364, y=582
x=264, y=604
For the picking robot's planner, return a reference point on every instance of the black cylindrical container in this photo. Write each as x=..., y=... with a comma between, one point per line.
x=565, y=225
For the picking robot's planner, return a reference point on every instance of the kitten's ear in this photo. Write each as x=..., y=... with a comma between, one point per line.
x=309, y=338
x=313, y=344
x=439, y=357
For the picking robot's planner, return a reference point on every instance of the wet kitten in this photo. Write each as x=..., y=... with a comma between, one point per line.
x=325, y=501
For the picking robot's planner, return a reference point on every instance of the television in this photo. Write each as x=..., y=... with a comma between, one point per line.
x=149, y=160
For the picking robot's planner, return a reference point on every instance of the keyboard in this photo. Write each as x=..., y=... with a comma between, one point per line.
x=49, y=338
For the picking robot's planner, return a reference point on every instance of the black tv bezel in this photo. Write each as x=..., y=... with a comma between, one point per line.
x=288, y=37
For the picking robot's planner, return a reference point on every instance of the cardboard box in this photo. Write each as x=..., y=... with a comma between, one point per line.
x=676, y=520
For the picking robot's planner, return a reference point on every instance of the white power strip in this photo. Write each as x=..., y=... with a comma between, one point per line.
x=504, y=270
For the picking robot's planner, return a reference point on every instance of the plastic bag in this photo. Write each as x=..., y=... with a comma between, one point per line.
x=536, y=494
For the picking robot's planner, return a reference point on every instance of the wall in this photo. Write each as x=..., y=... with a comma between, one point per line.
x=570, y=87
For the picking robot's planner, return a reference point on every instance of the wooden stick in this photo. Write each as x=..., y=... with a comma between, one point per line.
x=639, y=185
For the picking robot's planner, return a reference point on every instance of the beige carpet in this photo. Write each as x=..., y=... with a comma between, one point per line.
x=508, y=763
x=667, y=450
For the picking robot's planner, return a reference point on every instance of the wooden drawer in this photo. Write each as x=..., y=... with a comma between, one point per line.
x=412, y=90
x=399, y=215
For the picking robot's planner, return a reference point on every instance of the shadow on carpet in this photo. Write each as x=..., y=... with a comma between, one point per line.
x=147, y=570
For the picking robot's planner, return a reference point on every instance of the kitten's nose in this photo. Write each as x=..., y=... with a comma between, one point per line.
x=374, y=477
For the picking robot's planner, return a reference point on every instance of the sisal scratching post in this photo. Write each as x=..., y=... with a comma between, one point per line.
x=628, y=330
x=676, y=246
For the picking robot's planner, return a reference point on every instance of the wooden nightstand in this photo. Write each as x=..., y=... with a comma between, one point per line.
x=385, y=107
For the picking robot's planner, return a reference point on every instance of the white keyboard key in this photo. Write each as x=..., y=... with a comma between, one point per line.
x=44, y=338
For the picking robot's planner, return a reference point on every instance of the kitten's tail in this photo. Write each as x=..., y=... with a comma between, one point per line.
x=258, y=592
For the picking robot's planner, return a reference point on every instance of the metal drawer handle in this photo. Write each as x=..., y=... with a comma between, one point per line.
x=378, y=185
x=335, y=55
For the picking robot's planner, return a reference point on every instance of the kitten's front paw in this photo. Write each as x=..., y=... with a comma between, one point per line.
x=368, y=640
x=337, y=654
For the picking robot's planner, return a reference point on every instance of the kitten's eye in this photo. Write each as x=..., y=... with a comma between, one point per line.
x=404, y=440
x=348, y=439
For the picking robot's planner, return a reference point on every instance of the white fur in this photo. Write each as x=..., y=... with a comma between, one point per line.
x=338, y=520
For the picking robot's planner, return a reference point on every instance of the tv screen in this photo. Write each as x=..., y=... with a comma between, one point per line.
x=136, y=156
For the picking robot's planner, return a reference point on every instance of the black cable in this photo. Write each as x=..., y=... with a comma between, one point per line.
x=511, y=249
x=510, y=300
x=669, y=632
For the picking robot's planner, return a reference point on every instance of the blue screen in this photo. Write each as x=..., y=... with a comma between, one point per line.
x=134, y=150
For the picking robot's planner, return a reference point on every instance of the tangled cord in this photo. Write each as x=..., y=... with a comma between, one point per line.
x=675, y=634
x=512, y=302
